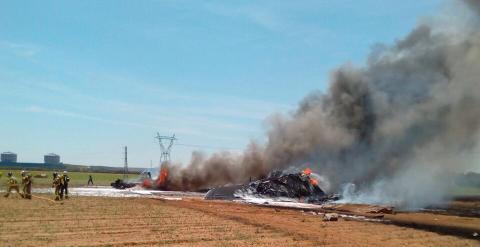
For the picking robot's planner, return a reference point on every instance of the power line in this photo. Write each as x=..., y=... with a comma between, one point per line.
x=208, y=147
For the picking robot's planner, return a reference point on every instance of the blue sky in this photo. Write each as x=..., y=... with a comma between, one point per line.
x=85, y=78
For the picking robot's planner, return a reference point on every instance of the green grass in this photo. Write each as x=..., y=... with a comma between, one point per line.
x=77, y=179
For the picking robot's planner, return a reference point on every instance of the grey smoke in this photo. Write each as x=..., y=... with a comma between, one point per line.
x=398, y=128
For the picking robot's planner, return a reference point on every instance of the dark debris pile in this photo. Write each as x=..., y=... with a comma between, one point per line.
x=296, y=185
x=121, y=185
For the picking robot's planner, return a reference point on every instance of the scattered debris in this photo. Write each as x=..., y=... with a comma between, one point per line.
x=360, y=208
x=380, y=210
x=121, y=185
x=224, y=192
x=361, y=218
x=166, y=198
x=330, y=217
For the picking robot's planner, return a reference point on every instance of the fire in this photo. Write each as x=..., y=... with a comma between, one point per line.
x=307, y=171
x=147, y=183
x=162, y=178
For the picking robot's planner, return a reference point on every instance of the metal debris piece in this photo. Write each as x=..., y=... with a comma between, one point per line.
x=121, y=185
x=330, y=217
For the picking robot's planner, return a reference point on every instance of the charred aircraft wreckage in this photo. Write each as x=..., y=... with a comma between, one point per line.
x=298, y=185
x=302, y=186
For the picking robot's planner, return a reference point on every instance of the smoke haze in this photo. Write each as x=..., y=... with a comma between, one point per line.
x=397, y=128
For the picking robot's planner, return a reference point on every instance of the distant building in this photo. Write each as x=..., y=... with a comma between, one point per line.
x=9, y=157
x=51, y=158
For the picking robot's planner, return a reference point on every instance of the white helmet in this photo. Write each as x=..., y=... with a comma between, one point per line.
x=65, y=172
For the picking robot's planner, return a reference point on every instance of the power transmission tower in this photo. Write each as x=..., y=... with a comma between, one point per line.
x=166, y=143
x=125, y=167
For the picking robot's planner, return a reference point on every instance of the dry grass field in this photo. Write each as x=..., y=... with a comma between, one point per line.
x=95, y=221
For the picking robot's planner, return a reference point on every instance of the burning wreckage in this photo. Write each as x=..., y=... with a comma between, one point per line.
x=146, y=181
x=300, y=185
x=121, y=184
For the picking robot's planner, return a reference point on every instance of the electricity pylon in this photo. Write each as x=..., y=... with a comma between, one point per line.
x=166, y=143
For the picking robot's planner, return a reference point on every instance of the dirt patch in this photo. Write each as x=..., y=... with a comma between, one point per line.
x=307, y=225
x=96, y=221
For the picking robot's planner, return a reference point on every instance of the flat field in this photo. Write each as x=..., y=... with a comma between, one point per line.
x=77, y=179
x=96, y=221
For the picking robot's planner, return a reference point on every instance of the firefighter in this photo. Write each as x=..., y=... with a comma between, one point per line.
x=12, y=184
x=57, y=184
x=90, y=180
x=23, y=173
x=65, y=181
x=26, y=185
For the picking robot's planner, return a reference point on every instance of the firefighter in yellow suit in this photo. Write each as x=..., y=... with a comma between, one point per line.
x=65, y=181
x=26, y=185
x=62, y=182
x=12, y=184
x=57, y=184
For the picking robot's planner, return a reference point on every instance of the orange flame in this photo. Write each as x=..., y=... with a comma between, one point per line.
x=162, y=178
x=147, y=183
x=307, y=171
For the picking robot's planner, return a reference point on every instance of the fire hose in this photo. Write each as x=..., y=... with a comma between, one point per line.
x=43, y=198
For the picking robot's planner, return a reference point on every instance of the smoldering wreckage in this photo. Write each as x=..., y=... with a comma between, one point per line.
x=299, y=185
x=392, y=132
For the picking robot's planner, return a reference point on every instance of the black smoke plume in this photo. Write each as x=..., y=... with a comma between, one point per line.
x=397, y=127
